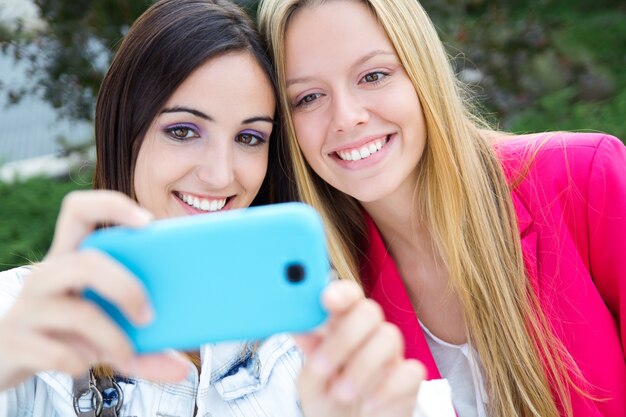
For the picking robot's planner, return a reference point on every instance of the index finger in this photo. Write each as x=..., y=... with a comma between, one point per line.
x=82, y=211
x=89, y=269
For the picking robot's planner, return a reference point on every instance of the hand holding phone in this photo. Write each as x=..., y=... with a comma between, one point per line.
x=235, y=275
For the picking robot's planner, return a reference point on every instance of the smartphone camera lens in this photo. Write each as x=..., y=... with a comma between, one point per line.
x=295, y=273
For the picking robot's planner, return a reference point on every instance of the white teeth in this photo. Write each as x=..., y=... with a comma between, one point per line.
x=363, y=152
x=203, y=203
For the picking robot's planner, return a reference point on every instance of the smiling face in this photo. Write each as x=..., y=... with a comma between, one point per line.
x=207, y=148
x=357, y=117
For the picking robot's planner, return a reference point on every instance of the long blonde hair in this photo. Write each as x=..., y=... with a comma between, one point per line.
x=470, y=216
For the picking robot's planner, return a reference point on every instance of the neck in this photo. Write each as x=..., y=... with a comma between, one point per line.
x=399, y=221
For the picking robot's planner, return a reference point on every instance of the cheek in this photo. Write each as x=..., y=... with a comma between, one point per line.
x=140, y=173
x=309, y=134
x=252, y=170
x=148, y=182
x=155, y=168
x=407, y=108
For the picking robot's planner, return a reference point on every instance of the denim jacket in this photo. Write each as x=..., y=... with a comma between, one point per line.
x=234, y=381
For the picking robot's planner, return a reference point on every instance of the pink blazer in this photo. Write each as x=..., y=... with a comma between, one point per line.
x=571, y=212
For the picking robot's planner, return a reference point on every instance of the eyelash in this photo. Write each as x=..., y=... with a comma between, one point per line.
x=170, y=132
x=382, y=78
x=303, y=103
x=259, y=139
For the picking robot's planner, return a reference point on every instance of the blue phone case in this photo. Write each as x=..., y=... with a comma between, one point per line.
x=238, y=275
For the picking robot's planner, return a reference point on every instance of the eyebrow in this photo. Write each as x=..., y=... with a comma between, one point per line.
x=359, y=61
x=195, y=112
x=258, y=119
x=179, y=109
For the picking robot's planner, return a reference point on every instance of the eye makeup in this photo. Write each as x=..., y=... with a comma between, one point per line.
x=253, y=132
x=254, y=137
x=182, y=131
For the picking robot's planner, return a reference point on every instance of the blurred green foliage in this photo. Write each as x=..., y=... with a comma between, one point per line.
x=28, y=210
x=543, y=65
x=595, y=42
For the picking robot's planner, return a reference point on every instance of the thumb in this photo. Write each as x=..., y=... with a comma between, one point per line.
x=82, y=211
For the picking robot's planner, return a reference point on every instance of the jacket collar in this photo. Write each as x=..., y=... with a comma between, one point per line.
x=528, y=237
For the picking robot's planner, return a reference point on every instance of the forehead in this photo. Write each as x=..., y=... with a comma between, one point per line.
x=233, y=79
x=334, y=30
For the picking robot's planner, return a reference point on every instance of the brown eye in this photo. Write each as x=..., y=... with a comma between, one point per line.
x=181, y=132
x=374, y=78
x=249, y=139
x=246, y=139
x=308, y=99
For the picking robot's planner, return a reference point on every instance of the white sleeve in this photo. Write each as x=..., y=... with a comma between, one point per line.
x=11, y=283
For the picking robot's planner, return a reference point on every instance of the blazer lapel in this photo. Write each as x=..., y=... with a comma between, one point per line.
x=384, y=285
x=528, y=238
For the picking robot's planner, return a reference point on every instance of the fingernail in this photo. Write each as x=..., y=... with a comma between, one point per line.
x=332, y=298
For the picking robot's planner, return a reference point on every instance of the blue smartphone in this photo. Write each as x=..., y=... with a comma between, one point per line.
x=237, y=275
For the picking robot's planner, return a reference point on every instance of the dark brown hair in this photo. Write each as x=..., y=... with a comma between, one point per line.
x=161, y=49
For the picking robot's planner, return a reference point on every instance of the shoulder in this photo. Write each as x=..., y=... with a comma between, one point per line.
x=15, y=276
x=554, y=155
x=540, y=145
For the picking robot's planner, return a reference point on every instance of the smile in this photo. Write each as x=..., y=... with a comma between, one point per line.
x=203, y=204
x=363, y=152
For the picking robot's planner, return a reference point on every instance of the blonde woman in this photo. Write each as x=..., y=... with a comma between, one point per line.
x=500, y=258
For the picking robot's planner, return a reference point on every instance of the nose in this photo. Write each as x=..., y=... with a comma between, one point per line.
x=216, y=164
x=348, y=110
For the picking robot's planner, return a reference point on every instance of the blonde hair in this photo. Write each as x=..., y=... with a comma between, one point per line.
x=470, y=216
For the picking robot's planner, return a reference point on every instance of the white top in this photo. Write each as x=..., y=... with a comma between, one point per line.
x=460, y=365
